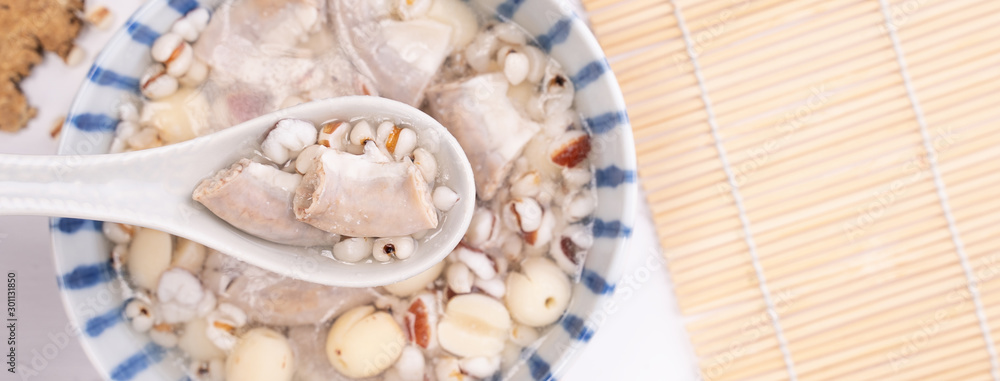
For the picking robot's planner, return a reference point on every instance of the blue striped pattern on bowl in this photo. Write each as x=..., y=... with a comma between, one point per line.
x=94, y=298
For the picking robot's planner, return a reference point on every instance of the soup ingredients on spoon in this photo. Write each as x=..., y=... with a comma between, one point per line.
x=364, y=190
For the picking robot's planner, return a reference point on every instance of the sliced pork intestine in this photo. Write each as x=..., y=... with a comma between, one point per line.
x=257, y=199
x=262, y=23
x=236, y=48
x=275, y=300
x=258, y=61
x=486, y=124
x=356, y=196
x=401, y=57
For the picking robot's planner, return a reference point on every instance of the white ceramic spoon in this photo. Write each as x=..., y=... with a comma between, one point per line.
x=152, y=188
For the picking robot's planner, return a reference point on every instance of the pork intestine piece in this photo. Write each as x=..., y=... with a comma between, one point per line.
x=241, y=41
x=486, y=124
x=257, y=199
x=275, y=300
x=261, y=55
x=274, y=23
x=356, y=196
x=401, y=57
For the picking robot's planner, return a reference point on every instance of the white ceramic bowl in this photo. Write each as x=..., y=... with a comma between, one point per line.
x=94, y=299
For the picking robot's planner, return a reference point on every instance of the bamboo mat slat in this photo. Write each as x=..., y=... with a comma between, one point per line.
x=823, y=178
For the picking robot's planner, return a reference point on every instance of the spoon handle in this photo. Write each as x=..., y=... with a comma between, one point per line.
x=134, y=188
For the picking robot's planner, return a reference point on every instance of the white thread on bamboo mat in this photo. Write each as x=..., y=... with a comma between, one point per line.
x=963, y=258
x=737, y=198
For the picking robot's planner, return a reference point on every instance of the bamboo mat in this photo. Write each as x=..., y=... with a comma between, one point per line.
x=823, y=176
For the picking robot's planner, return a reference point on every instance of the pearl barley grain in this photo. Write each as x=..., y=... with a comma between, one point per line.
x=157, y=84
x=198, y=18
x=542, y=236
x=523, y=214
x=459, y=278
x=361, y=133
x=528, y=185
x=493, y=287
x=353, y=249
x=515, y=67
x=222, y=325
x=444, y=198
x=579, y=205
x=478, y=262
x=140, y=315
x=483, y=227
x=406, y=142
x=576, y=177
x=426, y=163
x=180, y=61
x=386, y=249
x=164, y=46
x=385, y=132
x=333, y=134
x=185, y=29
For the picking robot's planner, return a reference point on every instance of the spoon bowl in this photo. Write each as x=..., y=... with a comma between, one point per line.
x=152, y=188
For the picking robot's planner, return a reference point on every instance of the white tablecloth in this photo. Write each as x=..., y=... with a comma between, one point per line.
x=642, y=340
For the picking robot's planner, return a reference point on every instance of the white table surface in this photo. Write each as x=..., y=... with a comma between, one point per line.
x=642, y=340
